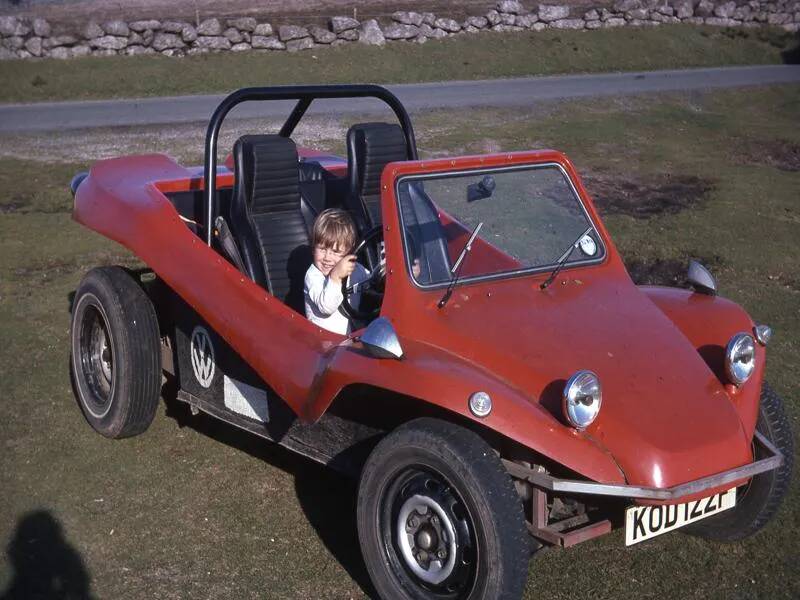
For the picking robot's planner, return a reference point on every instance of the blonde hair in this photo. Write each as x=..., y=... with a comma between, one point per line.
x=334, y=227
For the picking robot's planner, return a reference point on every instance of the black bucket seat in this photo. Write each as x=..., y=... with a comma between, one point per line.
x=370, y=147
x=269, y=219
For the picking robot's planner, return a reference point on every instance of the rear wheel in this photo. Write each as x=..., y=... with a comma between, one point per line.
x=438, y=517
x=758, y=500
x=115, y=353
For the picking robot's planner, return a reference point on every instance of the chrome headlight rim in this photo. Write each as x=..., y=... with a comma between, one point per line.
x=577, y=412
x=739, y=371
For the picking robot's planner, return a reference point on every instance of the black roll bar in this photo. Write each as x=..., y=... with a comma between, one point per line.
x=305, y=95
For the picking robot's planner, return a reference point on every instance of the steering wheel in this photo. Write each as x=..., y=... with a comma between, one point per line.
x=372, y=286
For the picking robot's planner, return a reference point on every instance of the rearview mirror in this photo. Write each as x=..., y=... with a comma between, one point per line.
x=483, y=189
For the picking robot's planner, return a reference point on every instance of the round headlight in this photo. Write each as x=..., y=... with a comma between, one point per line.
x=582, y=399
x=740, y=358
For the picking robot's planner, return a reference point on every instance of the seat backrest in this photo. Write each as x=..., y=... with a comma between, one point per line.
x=370, y=147
x=269, y=219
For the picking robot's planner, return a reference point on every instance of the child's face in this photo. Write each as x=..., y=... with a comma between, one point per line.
x=326, y=258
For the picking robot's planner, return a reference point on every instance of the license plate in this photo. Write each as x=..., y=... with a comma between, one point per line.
x=645, y=522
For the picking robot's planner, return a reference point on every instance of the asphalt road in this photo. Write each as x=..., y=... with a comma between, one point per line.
x=53, y=116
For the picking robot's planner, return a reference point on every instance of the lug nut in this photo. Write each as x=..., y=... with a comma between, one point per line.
x=441, y=554
x=435, y=520
x=412, y=522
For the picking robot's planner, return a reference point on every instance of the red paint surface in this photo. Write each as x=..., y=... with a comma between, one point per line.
x=666, y=417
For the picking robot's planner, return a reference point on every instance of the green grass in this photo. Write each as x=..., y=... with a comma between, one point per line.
x=204, y=511
x=486, y=55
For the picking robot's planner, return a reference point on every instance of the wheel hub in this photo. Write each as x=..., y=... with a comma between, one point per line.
x=427, y=539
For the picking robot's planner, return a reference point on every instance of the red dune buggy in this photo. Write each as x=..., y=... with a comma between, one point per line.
x=506, y=385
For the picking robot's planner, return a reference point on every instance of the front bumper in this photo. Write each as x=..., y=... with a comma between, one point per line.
x=691, y=488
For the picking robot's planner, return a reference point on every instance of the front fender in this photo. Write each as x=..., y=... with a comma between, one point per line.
x=709, y=322
x=447, y=381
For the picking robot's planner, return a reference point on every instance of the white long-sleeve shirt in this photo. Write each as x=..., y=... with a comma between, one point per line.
x=323, y=299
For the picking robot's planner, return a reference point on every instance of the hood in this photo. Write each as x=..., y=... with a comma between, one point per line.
x=665, y=417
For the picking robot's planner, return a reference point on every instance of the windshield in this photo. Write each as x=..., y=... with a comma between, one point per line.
x=531, y=216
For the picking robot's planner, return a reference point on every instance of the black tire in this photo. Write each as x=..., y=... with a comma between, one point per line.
x=759, y=500
x=433, y=478
x=115, y=357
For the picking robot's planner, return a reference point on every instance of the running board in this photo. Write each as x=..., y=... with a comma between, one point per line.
x=332, y=441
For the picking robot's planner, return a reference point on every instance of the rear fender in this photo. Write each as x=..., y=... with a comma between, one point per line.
x=709, y=322
x=446, y=381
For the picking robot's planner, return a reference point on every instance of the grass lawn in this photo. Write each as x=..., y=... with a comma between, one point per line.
x=479, y=56
x=195, y=509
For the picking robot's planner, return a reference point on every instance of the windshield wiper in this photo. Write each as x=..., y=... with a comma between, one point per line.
x=564, y=258
x=457, y=267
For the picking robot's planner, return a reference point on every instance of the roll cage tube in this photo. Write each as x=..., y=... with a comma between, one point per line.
x=305, y=95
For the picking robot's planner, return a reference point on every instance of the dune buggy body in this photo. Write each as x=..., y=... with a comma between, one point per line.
x=672, y=427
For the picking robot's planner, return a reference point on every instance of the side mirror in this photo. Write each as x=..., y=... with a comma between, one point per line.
x=380, y=340
x=701, y=279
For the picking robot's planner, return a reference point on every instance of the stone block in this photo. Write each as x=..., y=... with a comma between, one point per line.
x=450, y=25
x=34, y=45
x=165, y=41
x=41, y=28
x=340, y=24
x=291, y=32
x=213, y=42
x=243, y=24
x=188, y=33
x=118, y=28
x=92, y=31
x=371, y=33
x=399, y=31
x=322, y=35
x=141, y=26
x=407, y=17
x=263, y=29
x=550, y=12
x=210, y=28
x=511, y=6
x=267, y=43
x=109, y=42
x=298, y=44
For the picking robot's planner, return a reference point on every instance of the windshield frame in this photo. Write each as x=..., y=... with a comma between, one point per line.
x=546, y=268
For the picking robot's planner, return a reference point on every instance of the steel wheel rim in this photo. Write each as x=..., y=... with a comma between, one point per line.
x=96, y=361
x=428, y=533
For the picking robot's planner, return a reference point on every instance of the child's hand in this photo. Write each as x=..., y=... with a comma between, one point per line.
x=343, y=269
x=415, y=268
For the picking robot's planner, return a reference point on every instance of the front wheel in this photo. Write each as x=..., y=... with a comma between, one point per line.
x=438, y=517
x=758, y=500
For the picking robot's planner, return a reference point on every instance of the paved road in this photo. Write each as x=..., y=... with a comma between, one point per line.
x=52, y=116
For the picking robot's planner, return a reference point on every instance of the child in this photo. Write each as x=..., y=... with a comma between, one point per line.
x=333, y=239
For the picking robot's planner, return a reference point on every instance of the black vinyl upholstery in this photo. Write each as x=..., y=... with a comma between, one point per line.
x=370, y=147
x=268, y=216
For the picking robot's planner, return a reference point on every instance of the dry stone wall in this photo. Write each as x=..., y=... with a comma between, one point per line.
x=21, y=39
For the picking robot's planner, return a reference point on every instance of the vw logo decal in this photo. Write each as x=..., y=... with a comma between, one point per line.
x=202, y=352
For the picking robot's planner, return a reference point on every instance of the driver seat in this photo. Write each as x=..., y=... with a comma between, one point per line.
x=370, y=147
x=268, y=216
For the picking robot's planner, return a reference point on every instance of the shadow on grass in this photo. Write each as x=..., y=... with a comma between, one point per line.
x=327, y=498
x=45, y=565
